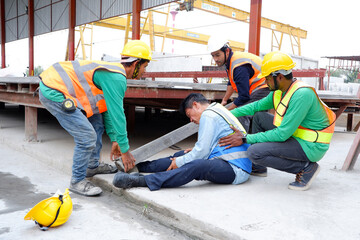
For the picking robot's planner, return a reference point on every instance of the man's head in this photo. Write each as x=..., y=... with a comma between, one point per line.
x=219, y=49
x=277, y=70
x=135, y=57
x=193, y=106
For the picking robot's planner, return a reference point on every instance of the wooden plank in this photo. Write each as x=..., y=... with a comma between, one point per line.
x=353, y=153
x=144, y=152
x=30, y=124
x=150, y=149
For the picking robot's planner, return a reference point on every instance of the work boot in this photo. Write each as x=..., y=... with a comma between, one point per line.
x=120, y=166
x=258, y=171
x=305, y=177
x=125, y=180
x=103, y=168
x=85, y=187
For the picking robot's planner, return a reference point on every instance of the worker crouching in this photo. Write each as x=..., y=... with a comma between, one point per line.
x=297, y=136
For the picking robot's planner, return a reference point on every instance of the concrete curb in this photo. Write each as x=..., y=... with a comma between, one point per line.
x=168, y=217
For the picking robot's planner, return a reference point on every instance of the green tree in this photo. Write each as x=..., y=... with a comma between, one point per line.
x=37, y=71
x=349, y=75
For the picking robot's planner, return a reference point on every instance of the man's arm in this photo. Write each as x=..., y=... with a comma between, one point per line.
x=207, y=137
x=115, y=149
x=298, y=109
x=229, y=92
x=251, y=108
x=113, y=86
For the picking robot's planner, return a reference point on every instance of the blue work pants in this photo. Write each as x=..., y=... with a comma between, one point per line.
x=216, y=171
x=87, y=134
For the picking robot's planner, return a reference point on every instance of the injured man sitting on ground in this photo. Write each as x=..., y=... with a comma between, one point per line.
x=206, y=161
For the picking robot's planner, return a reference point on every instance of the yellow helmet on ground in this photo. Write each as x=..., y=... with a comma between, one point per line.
x=275, y=61
x=51, y=212
x=137, y=49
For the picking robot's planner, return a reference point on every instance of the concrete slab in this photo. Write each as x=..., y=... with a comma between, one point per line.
x=262, y=208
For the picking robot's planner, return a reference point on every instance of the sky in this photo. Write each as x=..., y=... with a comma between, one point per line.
x=332, y=30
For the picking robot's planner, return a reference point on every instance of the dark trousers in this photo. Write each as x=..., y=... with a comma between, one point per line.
x=285, y=156
x=216, y=171
x=255, y=96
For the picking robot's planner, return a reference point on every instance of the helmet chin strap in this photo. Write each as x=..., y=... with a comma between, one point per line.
x=136, y=71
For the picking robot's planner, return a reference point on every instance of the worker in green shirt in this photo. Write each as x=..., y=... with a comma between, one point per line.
x=86, y=97
x=297, y=136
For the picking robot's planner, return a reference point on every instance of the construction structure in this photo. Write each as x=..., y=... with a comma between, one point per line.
x=148, y=27
x=20, y=19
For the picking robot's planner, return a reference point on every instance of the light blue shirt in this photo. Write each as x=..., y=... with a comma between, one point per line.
x=212, y=127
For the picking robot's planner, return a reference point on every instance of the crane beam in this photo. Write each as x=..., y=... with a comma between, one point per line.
x=172, y=33
x=234, y=13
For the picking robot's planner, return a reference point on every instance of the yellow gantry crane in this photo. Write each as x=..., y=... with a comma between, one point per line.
x=276, y=27
x=164, y=31
x=148, y=27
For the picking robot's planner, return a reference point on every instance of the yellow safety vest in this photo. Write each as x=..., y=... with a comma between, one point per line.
x=75, y=80
x=310, y=135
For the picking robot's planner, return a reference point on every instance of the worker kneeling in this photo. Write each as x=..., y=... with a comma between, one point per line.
x=206, y=161
x=299, y=133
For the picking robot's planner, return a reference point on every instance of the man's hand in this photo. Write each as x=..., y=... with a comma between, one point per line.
x=115, y=151
x=128, y=160
x=187, y=150
x=232, y=140
x=172, y=165
x=224, y=102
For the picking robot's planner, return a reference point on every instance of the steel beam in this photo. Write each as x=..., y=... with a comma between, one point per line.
x=136, y=19
x=31, y=36
x=30, y=124
x=254, y=27
x=3, y=39
x=353, y=153
x=26, y=99
x=72, y=23
x=222, y=74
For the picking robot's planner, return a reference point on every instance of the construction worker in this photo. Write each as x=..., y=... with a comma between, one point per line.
x=297, y=136
x=85, y=97
x=206, y=161
x=243, y=70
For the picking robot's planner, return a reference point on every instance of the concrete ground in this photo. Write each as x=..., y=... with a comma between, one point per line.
x=262, y=208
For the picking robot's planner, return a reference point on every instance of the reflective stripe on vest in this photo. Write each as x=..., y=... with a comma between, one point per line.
x=226, y=115
x=241, y=58
x=236, y=155
x=75, y=80
x=310, y=135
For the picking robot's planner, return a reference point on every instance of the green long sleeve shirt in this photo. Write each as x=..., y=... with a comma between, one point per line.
x=304, y=109
x=113, y=86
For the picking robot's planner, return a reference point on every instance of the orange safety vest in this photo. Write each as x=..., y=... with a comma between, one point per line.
x=75, y=80
x=241, y=58
x=311, y=135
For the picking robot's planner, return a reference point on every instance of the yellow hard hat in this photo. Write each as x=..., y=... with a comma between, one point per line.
x=51, y=212
x=275, y=61
x=138, y=49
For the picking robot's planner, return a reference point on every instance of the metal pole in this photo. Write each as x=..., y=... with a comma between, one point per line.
x=3, y=39
x=254, y=26
x=72, y=23
x=136, y=19
x=31, y=36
